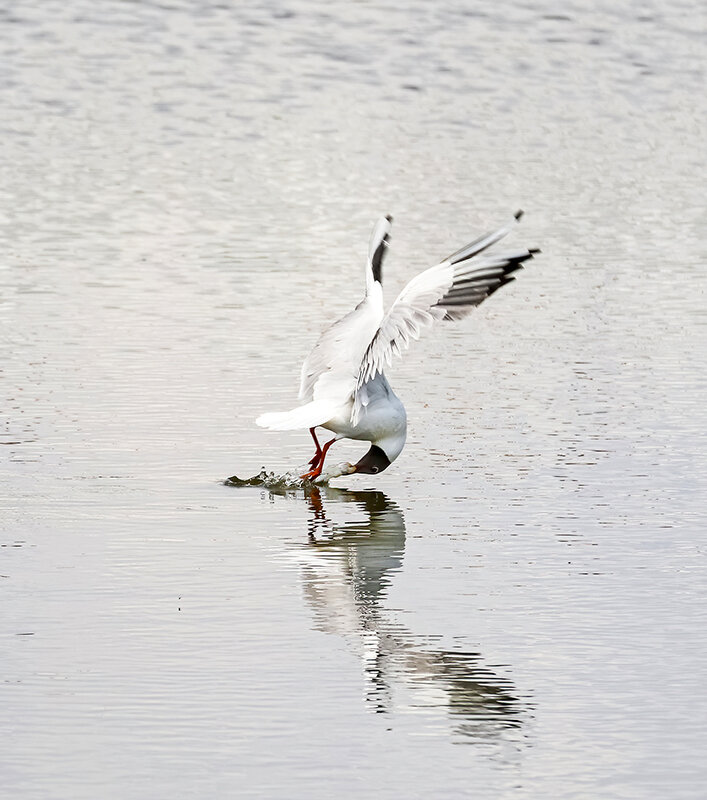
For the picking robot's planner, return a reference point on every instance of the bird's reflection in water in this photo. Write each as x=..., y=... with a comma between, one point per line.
x=346, y=572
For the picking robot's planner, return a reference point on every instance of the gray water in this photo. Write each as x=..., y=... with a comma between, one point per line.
x=517, y=607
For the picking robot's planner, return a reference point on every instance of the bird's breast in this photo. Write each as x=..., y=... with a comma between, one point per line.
x=383, y=415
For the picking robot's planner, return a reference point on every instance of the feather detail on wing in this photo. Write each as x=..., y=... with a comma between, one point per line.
x=331, y=369
x=446, y=291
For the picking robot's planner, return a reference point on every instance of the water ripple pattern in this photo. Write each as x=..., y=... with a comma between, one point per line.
x=517, y=608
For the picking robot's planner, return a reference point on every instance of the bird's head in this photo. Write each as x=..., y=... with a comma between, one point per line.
x=373, y=462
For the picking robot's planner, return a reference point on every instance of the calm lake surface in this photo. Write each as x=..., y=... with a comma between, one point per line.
x=517, y=608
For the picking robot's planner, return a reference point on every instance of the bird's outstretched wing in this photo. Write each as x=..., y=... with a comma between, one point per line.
x=331, y=369
x=447, y=291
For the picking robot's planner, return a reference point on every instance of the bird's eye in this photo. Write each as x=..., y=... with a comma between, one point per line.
x=374, y=470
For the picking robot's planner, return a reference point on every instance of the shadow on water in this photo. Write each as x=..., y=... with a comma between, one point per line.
x=347, y=569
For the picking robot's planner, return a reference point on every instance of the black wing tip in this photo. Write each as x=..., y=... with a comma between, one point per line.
x=534, y=250
x=518, y=215
x=377, y=257
x=503, y=282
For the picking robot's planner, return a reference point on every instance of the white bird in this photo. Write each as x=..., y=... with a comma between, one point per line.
x=342, y=379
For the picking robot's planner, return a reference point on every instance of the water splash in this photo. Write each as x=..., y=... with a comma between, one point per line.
x=292, y=479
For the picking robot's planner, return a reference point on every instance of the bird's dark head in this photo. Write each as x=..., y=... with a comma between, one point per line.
x=373, y=462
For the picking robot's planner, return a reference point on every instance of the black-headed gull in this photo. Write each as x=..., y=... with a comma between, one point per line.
x=342, y=379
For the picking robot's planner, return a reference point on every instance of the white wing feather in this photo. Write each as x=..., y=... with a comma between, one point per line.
x=448, y=291
x=331, y=369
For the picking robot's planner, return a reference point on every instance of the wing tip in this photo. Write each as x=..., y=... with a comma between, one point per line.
x=519, y=215
x=381, y=238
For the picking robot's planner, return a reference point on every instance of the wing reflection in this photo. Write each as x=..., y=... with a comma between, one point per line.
x=346, y=572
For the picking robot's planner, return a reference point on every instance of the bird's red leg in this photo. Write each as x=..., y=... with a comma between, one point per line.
x=318, y=454
x=317, y=471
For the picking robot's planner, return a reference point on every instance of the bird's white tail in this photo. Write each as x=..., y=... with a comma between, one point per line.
x=308, y=416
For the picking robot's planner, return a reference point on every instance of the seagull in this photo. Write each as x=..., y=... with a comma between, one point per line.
x=343, y=381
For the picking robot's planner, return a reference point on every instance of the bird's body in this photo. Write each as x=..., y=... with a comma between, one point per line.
x=382, y=421
x=342, y=379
